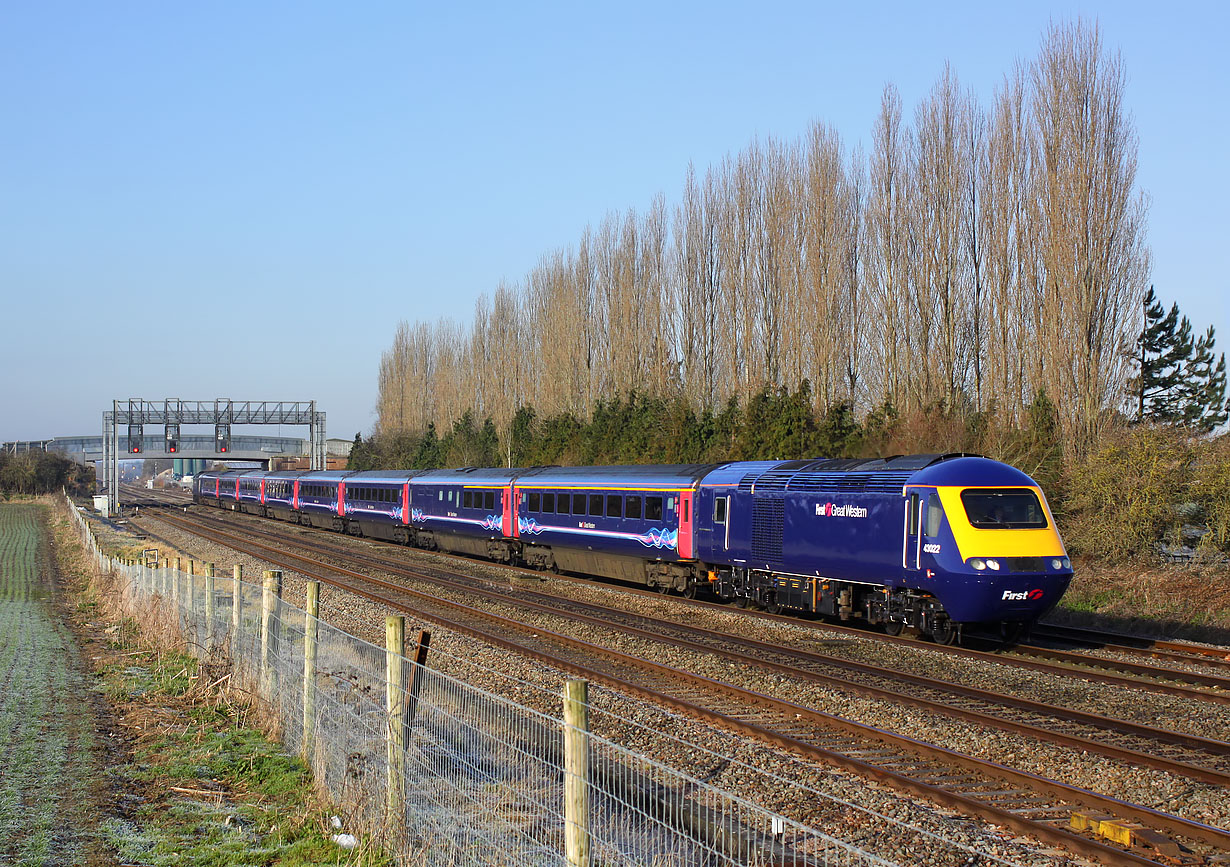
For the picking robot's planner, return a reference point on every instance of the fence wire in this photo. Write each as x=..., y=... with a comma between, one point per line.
x=443, y=772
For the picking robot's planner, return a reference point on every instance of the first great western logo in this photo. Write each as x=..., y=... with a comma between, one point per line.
x=832, y=510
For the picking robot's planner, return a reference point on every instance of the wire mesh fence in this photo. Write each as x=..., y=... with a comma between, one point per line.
x=442, y=771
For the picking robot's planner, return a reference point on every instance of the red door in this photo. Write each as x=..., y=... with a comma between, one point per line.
x=508, y=524
x=294, y=495
x=405, y=503
x=341, y=498
x=685, y=525
x=262, y=492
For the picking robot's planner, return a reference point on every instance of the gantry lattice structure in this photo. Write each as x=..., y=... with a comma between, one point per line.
x=222, y=413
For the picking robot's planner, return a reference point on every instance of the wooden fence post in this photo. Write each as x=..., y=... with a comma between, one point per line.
x=576, y=771
x=310, y=633
x=209, y=606
x=270, y=609
x=236, y=611
x=190, y=620
x=175, y=585
x=395, y=696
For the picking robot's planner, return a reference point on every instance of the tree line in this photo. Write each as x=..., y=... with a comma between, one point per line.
x=974, y=258
x=38, y=472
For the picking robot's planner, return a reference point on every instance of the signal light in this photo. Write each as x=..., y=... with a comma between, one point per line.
x=171, y=446
x=136, y=450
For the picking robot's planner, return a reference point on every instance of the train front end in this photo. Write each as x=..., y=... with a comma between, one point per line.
x=984, y=542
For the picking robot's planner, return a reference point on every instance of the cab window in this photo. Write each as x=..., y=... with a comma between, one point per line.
x=1003, y=509
x=935, y=515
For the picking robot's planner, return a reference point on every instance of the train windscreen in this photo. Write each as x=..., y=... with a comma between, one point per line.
x=1003, y=509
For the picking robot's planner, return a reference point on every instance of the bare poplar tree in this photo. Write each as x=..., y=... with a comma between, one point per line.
x=1091, y=226
x=888, y=228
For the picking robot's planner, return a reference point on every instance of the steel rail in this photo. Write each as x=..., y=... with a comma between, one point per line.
x=1174, y=825
x=1093, y=669
x=654, y=630
x=1139, y=645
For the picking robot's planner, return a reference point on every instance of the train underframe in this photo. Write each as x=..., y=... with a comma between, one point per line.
x=895, y=609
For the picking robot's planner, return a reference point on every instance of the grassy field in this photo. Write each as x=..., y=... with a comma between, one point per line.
x=48, y=768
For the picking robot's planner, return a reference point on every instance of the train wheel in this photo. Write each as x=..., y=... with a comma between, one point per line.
x=1012, y=631
x=893, y=627
x=689, y=592
x=944, y=632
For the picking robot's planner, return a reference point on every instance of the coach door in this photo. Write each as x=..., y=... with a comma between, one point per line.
x=508, y=523
x=912, y=526
x=685, y=525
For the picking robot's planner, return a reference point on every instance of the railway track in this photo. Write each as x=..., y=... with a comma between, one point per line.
x=1156, y=648
x=1030, y=804
x=1207, y=685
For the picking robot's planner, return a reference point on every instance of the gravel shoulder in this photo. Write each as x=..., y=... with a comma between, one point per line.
x=858, y=807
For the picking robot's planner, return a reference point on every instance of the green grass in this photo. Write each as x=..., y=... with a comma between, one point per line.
x=266, y=815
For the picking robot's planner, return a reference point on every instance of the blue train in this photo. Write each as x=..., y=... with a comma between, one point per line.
x=938, y=543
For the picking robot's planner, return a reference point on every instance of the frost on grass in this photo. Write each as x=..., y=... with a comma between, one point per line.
x=46, y=730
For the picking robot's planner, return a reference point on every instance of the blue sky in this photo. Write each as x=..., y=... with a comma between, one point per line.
x=176, y=180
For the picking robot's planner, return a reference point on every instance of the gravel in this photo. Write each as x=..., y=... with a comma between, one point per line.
x=742, y=767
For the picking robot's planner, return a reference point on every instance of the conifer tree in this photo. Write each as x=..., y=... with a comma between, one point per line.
x=1202, y=390
x=1163, y=348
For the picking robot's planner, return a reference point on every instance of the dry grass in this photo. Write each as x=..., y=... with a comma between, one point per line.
x=1188, y=602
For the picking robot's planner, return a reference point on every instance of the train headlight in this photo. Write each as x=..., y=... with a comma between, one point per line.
x=993, y=564
x=978, y=563
x=1056, y=563
x=1067, y=564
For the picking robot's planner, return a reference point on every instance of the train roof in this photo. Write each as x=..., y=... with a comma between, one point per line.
x=483, y=476
x=886, y=475
x=325, y=475
x=398, y=477
x=665, y=476
x=733, y=472
x=969, y=470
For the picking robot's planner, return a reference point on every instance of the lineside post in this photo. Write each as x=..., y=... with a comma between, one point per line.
x=236, y=611
x=209, y=605
x=190, y=620
x=270, y=610
x=395, y=696
x=417, y=676
x=175, y=585
x=310, y=633
x=576, y=771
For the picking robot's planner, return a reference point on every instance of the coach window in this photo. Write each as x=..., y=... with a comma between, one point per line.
x=614, y=506
x=535, y=502
x=632, y=507
x=563, y=503
x=719, y=510
x=467, y=499
x=595, y=505
x=548, y=503
x=935, y=515
x=440, y=495
x=578, y=504
x=653, y=508
x=670, y=504
x=489, y=500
